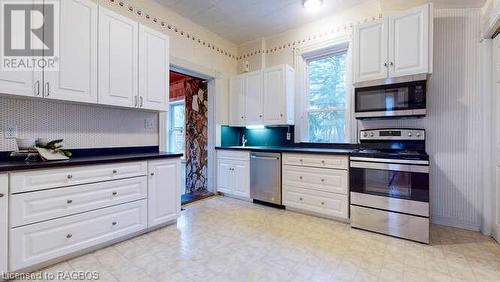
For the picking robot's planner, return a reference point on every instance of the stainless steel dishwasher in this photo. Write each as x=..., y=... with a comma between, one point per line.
x=265, y=177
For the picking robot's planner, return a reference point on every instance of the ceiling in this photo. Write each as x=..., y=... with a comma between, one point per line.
x=240, y=21
x=243, y=20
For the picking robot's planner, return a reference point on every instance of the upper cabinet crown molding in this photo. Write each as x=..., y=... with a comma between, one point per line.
x=264, y=97
x=396, y=46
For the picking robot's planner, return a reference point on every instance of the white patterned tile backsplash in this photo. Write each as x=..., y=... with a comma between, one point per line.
x=81, y=126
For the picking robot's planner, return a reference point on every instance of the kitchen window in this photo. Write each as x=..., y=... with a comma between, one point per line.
x=177, y=127
x=326, y=115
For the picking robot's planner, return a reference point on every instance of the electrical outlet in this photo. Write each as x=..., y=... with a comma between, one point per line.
x=288, y=136
x=148, y=123
x=10, y=132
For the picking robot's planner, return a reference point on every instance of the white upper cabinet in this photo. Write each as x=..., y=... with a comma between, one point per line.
x=154, y=65
x=76, y=79
x=370, y=51
x=399, y=45
x=118, y=59
x=237, y=101
x=254, y=101
x=409, y=42
x=263, y=97
x=278, y=95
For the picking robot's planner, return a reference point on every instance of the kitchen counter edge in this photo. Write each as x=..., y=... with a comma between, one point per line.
x=289, y=150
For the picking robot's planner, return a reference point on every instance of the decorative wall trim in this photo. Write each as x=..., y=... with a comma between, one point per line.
x=346, y=28
x=172, y=27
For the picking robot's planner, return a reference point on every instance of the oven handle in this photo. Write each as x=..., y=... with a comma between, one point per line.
x=393, y=167
x=390, y=161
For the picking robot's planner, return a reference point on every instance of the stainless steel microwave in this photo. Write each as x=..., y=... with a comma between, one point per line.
x=406, y=99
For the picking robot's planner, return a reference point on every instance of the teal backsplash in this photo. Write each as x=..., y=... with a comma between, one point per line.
x=268, y=136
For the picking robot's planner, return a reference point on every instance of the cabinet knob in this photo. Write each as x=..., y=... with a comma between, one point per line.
x=301, y=160
x=242, y=117
x=70, y=176
x=115, y=193
x=385, y=64
x=301, y=199
x=281, y=115
x=322, y=180
x=260, y=116
x=69, y=201
x=69, y=236
x=300, y=177
x=323, y=203
x=1, y=195
x=392, y=64
x=114, y=223
x=115, y=171
x=152, y=174
x=323, y=162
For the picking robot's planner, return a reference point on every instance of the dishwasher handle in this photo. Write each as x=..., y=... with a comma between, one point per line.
x=264, y=158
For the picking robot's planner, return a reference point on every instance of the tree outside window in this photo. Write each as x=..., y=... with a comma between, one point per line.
x=327, y=98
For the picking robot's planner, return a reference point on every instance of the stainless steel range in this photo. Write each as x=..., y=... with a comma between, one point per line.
x=389, y=183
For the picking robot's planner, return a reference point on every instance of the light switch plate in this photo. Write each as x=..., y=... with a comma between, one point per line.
x=288, y=136
x=148, y=123
x=10, y=132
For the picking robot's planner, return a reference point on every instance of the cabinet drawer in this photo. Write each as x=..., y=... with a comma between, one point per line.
x=321, y=161
x=52, y=178
x=233, y=155
x=38, y=206
x=332, y=205
x=327, y=180
x=37, y=243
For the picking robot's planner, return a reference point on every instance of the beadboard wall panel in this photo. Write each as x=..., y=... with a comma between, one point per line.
x=81, y=126
x=454, y=120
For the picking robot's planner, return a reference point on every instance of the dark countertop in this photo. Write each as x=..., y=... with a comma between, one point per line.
x=287, y=149
x=7, y=165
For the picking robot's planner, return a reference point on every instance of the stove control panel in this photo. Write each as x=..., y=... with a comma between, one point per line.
x=392, y=134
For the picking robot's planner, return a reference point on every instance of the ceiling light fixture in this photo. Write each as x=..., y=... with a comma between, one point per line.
x=313, y=5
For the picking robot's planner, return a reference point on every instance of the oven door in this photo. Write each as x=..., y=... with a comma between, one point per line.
x=394, y=180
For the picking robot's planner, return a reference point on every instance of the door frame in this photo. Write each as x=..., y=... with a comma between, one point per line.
x=210, y=75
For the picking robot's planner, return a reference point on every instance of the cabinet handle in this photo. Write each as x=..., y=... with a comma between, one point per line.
x=152, y=174
x=70, y=176
x=115, y=193
x=392, y=64
x=1, y=195
x=385, y=64
x=136, y=101
x=69, y=236
x=69, y=201
x=37, y=88
x=47, y=85
x=141, y=102
x=114, y=223
x=281, y=115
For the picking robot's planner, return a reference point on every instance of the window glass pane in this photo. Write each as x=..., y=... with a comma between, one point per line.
x=327, y=81
x=178, y=114
x=327, y=127
x=177, y=138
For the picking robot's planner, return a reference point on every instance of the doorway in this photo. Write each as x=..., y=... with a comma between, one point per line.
x=188, y=121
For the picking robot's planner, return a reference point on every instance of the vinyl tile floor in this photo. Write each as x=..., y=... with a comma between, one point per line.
x=222, y=239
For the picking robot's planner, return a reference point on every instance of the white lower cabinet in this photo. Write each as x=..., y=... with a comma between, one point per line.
x=37, y=243
x=233, y=173
x=164, y=192
x=317, y=184
x=4, y=227
x=54, y=216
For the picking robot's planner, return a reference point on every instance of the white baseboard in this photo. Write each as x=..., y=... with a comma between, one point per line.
x=452, y=222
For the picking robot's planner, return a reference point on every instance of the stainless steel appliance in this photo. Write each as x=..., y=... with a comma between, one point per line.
x=384, y=101
x=389, y=183
x=265, y=177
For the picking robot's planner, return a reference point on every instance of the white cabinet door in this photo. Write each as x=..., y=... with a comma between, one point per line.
x=118, y=52
x=237, y=101
x=370, y=51
x=240, y=181
x=164, y=191
x=409, y=42
x=154, y=62
x=254, y=101
x=4, y=202
x=224, y=176
x=21, y=83
x=274, y=96
x=76, y=79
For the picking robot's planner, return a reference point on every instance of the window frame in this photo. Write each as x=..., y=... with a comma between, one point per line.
x=313, y=55
x=171, y=128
